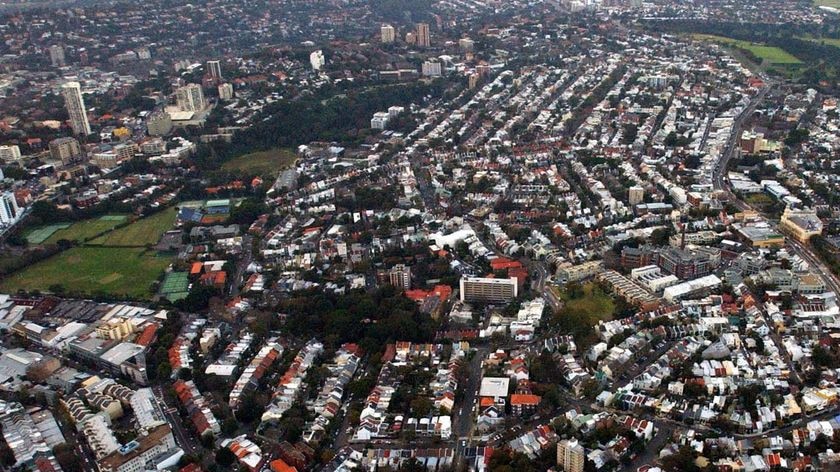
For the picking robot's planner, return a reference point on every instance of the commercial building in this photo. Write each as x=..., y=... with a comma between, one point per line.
x=190, y=98
x=652, y=278
x=692, y=288
x=75, y=103
x=387, y=34
x=423, y=38
x=570, y=455
x=800, y=224
x=488, y=290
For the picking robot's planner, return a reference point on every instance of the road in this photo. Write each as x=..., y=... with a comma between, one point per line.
x=183, y=437
x=462, y=421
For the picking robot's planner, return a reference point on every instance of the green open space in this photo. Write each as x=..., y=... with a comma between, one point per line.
x=81, y=230
x=264, y=163
x=759, y=199
x=828, y=41
x=591, y=301
x=91, y=270
x=175, y=286
x=147, y=230
x=827, y=3
x=771, y=54
x=42, y=233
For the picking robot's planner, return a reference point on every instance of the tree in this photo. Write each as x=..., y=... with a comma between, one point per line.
x=225, y=457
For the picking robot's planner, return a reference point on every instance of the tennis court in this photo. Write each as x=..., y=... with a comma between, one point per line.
x=175, y=286
x=39, y=235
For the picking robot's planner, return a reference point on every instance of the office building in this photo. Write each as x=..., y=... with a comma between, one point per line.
x=75, y=103
x=488, y=290
x=431, y=69
x=226, y=92
x=214, y=69
x=387, y=34
x=398, y=276
x=57, y=56
x=570, y=455
x=423, y=38
x=636, y=195
x=9, y=153
x=65, y=150
x=316, y=59
x=190, y=98
x=9, y=211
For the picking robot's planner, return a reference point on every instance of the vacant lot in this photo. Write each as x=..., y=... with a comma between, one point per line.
x=263, y=163
x=92, y=270
x=144, y=231
x=770, y=54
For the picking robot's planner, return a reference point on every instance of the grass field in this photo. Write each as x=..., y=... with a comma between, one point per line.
x=91, y=270
x=80, y=230
x=827, y=3
x=759, y=199
x=42, y=233
x=144, y=231
x=595, y=303
x=264, y=163
x=828, y=41
x=770, y=54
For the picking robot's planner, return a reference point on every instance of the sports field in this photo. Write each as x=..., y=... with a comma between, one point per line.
x=42, y=233
x=92, y=270
x=263, y=163
x=175, y=286
x=770, y=54
x=81, y=230
x=827, y=3
x=142, y=232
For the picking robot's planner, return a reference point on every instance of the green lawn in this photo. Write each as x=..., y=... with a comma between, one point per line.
x=81, y=230
x=144, y=231
x=594, y=304
x=770, y=54
x=828, y=41
x=759, y=199
x=42, y=233
x=263, y=163
x=91, y=270
x=827, y=3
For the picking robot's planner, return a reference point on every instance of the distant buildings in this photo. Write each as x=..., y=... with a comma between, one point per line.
x=226, y=92
x=214, y=70
x=9, y=153
x=65, y=150
x=57, y=56
x=387, y=34
x=190, y=98
x=431, y=69
x=317, y=60
x=636, y=195
x=75, y=104
x=488, y=290
x=423, y=39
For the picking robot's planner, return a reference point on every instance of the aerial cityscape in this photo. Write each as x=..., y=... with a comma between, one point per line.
x=420, y=235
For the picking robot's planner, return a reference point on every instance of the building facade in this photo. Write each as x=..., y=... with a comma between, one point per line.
x=75, y=103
